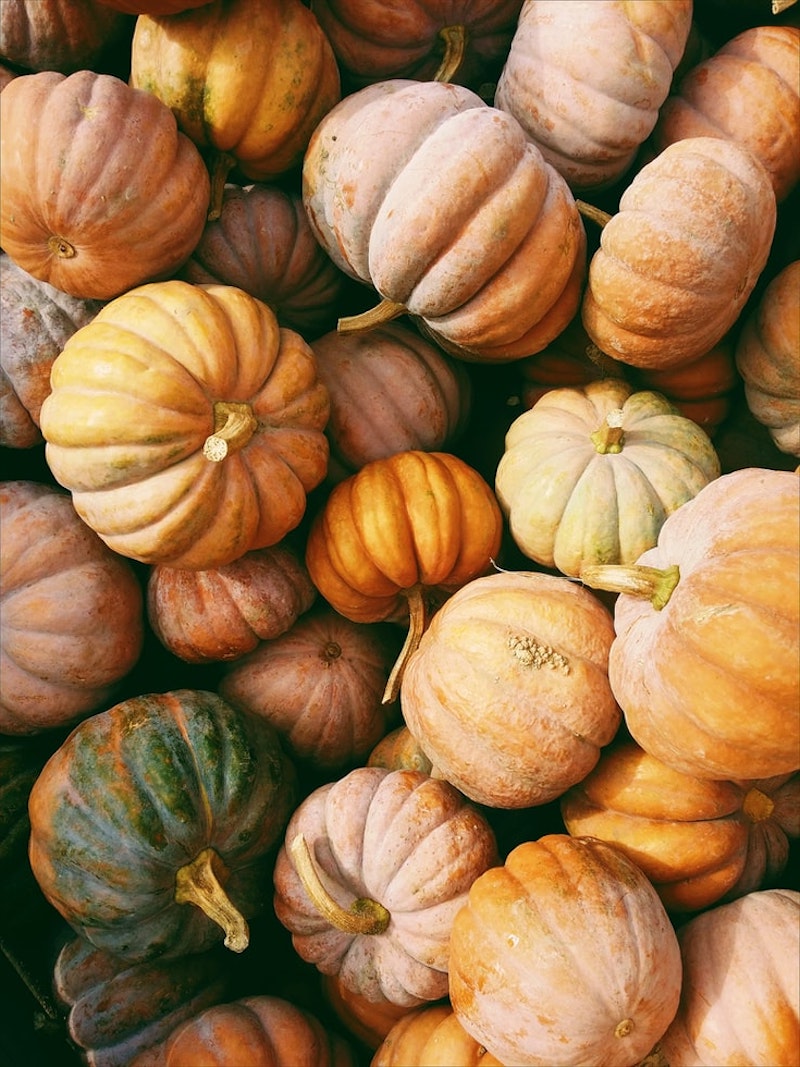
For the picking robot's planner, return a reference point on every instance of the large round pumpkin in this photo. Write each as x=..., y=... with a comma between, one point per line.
x=586, y=80
x=507, y=693
x=704, y=662
x=589, y=474
x=564, y=955
x=187, y=425
x=152, y=823
x=59, y=35
x=72, y=619
x=91, y=204
x=679, y=260
x=491, y=259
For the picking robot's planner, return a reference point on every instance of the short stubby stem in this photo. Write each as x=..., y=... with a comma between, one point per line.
x=655, y=584
x=609, y=438
x=234, y=425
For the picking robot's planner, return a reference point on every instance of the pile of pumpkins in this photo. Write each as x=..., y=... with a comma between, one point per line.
x=418, y=390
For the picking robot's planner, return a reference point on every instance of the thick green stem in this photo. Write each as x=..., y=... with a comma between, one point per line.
x=652, y=583
x=368, y=320
x=364, y=916
x=417, y=620
x=200, y=883
x=455, y=47
x=234, y=425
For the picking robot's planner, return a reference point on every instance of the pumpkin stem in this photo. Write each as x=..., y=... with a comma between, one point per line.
x=779, y=6
x=417, y=619
x=200, y=883
x=364, y=916
x=596, y=214
x=368, y=320
x=61, y=247
x=757, y=806
x=455, y=47
x=234, y=425
x=610, y=437
x=654, y=583
x=222, y=163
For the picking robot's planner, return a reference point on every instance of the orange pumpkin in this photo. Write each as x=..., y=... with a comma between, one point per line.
x=564, y=955
x=188, y=426
x=367, y=1020
x=399, y=749
x=431, y=1037
x=59, y=35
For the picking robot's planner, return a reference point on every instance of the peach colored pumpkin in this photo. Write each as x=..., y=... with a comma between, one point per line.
x=431, y=1037
x=507, y=693
x=367, y=1020
x=586, y=80
x=679, y=260
x=740, y=1002
x=748, y=91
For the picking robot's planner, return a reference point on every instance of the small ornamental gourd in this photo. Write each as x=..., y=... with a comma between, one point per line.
x=187, y=424
x=589, y=474
x=373, y=868
x=152, y=824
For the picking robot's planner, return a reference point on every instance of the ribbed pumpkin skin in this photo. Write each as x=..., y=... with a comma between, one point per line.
x=564, y=956
x=137, y=393
x=58, y=35
x=242, y=77
x=741, y=985
x=586, y=80
x=86, y=203
x=715, y=99
x=138, y=791
x=589, y=474
x=72, y=619
x=709, y=683
x=679, y=260
x=766, y=357
x=491, y=259
x=262, y=243
x=697, y=840
x=410, y=842
x=431, y=1037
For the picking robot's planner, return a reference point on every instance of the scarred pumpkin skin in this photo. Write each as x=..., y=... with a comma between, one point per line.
x=741, y=985
x=586, y=81
x=679, y=260
x=138, y=792
x=58, y=35
x=187, y=424
x=86, y=202
x=519, y=980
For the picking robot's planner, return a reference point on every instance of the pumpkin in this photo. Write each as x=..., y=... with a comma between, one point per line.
x=520, y=979
x=21, y=760
x=153, y=7
x=72, y=619
x=589, y=474
x=90, y=204
x=58, y=35
x=507, y=693
x=117, y=1010
x=490, y=260
x=704, y=661
x=463, y=42
x=391, y=391
x=152, y=824
x=425, y=1037
x=223, y=613
x=679, y=260
x=586, y=81
x=698, y=841
x=320, y=684
x=570, y=360
x=187, y=424
x=766, y=357
x=262, y=243
x=372, y=870
x=247, y=81
x=260, y=1030
x=36, y=321
x=400, y=533
x=741, y=985
x=367, y=1020
x=713, y=99
x=399, y=749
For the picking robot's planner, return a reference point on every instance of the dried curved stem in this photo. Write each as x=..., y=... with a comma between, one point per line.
x=364, y=916
x=417, y=620
x=200, y=883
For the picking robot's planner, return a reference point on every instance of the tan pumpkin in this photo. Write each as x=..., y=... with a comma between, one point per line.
x=715, y=99
x=223, y=613
x=679, y=260
x=698, y=841
x=399, y=749
x=72, y=619
x=589, y=474
x=490, y=260
x=766, y=357
x=431, y=1037
x=704, y=662
x=187, y=424
x=88, y=205
x=564, y=955
x=59, y=35
x=586, y=80
x=741, y=985
x=507, y=693
x=373, y=868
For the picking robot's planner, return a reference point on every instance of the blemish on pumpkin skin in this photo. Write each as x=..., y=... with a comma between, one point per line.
x=531, y=653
